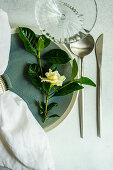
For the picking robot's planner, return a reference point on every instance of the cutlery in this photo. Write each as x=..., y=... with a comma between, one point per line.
x=98, y=52
x=82, y=48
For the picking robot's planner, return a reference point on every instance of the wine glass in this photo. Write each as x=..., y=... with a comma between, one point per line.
x=65, y=21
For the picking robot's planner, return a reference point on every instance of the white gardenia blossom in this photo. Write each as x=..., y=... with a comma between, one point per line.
x=53, y=77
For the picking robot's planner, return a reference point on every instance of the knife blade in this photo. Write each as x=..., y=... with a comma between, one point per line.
x=98, y=52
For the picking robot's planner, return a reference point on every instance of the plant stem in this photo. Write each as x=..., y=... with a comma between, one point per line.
x=45, y=112
x=40, y=62
x=47, y=99
x=51, y=95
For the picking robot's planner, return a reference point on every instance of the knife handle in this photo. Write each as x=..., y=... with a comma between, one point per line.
x=99, y=102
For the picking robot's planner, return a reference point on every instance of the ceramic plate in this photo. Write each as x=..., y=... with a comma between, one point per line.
x=18, y=82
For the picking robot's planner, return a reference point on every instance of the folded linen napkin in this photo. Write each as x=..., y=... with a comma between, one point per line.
x=5, y=36
x=23, y=143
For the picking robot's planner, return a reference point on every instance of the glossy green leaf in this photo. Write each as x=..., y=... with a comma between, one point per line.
x=50, y=106
x=68, y=88
x=55, y=115
x=54, y=67
x=36, y=82
x=31, y=41
x=40, y=105
x=46, y=86
x=33, y=74
x=34, y=70
x=40, y=45
x=57, y=56
x=41, y=112
x=29, y=38
x=46, y=41
x=74, y=69
x=86, y=81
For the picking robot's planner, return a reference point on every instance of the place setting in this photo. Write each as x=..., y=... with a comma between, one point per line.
x=40, y=80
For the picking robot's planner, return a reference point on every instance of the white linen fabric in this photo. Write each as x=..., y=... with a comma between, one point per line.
x=23, y=143
x=22, y=134
x=5, y=36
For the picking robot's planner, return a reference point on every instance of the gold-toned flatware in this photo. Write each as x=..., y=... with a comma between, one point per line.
x=82, y=48
x=98, y=52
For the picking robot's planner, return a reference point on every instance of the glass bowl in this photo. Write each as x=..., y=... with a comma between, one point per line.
x=65, y=21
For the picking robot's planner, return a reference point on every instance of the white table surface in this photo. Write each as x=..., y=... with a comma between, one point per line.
x=70, y=152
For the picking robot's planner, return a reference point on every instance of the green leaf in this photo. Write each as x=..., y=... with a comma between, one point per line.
x=57, y=56
x=55, y=115
x=40, y=45
x=50, y=106
x=36, y=82
x=40, y=106
x=29, y=38
x=46, y=87
x=31, y=41
x=86, y=81
x=68, y=88
x=46, y=41
x=74, y=69
x=34, y=70
x=54, y=67
x=34, y=73
x=41, y=113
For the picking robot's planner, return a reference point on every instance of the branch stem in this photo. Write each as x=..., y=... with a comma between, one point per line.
x=47, y=99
